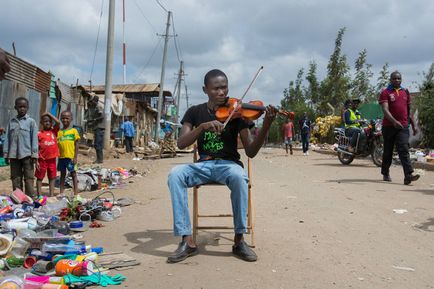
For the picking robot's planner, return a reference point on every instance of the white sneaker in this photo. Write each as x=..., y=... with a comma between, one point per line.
x=304, y=154
x=307, y=153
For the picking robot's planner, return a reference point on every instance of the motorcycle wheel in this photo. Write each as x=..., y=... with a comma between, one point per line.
x=377, y=154
x=345, y=159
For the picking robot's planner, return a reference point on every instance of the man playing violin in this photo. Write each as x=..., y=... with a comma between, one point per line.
x=219, y=161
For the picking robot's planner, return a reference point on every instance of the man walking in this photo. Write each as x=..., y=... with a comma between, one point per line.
x=129, y=132
x=305, y=125
x=95, y=122
x=395, y=101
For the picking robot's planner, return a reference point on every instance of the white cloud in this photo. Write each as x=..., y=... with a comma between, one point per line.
x=235, y=36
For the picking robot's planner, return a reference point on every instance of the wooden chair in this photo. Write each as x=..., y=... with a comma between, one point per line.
x=196, y=215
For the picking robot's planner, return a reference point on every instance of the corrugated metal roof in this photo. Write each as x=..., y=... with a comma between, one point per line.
x=42, y=81
x=28, y=74
x=67, y=94
x=129, y=88
x=21, y=71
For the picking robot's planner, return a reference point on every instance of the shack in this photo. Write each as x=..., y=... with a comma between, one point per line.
x=137, y=101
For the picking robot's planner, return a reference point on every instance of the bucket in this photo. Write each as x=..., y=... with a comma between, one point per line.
x=5, y=243
x=64, y=267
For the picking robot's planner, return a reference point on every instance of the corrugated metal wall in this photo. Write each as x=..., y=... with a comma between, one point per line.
x=11, y=90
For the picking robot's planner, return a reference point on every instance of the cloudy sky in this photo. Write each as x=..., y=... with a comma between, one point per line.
x=235, y=36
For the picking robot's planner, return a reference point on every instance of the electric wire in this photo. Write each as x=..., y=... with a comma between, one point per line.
x=158, y=2
x=149, y=60
x=97, y=40
x=178, y=49
x=144, y=16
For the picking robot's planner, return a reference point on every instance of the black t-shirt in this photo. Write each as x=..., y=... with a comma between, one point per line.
x=304, y=125
x=210, y=144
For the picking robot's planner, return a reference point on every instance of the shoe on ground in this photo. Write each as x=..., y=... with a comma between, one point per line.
x=307, y=153
x=387, y=178
x=410, y=178
x=244, y=252
x=304, y=154
x=182, y=252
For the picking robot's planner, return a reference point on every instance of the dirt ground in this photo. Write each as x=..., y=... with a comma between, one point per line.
x=318, y=224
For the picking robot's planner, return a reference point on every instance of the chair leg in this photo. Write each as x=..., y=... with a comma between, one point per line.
x=195, y=213
x=250, y=224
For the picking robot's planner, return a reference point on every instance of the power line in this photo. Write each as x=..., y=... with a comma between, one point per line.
x=144, y=16
x=97, y=39
x=149, y=60
x=178, y=50
x=158, y=2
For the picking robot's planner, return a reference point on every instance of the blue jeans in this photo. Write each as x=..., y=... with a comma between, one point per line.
x=99, y=139
x=305, y=142
x=186, y=176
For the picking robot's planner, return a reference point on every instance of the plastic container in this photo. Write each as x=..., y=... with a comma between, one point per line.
x=77, y=268
x=54, y=286
x=11, y=282
x=420, y=157
x=55, y=208
x=44, y=279
x=41, y=255
x=64, y=248
x=5, y=243
x=20, y=247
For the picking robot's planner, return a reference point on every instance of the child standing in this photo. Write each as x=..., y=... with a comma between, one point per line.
x=68, y=149
x=48, y=152
x=21, y=147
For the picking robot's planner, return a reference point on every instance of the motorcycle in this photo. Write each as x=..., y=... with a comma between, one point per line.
x=372, y=144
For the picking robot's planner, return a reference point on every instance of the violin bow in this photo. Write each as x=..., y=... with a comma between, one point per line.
x=242, y=97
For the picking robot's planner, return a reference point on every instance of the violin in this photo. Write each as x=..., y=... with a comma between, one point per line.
x=247, y=111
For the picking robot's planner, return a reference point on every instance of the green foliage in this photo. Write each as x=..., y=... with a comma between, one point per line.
x=383, y=79
x=361, y=87
x=334, y=88
x=425, y=106
x=312, y=91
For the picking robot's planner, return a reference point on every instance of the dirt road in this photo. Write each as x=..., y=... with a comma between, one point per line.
x=318, y=225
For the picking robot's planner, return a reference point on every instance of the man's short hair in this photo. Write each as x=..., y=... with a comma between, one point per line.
x=395, y=72
x=213, y=73
x=21, y=98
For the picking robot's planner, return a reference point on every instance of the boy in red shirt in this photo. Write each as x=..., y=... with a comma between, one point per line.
x=288, y=134
x=48, y=151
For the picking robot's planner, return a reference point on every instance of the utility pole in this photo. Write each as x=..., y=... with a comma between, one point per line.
x=178, y=92
x=124, y=57
x=160, y=94
x=186, y=96
x=178, y=95
x=108, y=75
x=124, y=47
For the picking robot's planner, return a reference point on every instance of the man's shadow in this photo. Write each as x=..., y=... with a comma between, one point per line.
x=152, y=242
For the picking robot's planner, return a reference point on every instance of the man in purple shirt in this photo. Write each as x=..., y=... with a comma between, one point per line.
x=395, y=101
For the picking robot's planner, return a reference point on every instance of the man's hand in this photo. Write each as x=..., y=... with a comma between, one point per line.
x=214, y=126
x=398, y=125
x=270, y=115
x=74, y=160
x=5, y=66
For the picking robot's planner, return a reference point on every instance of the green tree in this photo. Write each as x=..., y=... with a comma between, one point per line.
x=424, y=105
x=294, y=93
x=334, y=88
x=312, y=91
x=361, y=87
x=383, y=79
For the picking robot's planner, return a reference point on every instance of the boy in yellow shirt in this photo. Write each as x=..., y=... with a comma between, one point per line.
x=68, y=149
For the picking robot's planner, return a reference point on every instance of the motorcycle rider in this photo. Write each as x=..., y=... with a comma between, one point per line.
x=353, y=124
